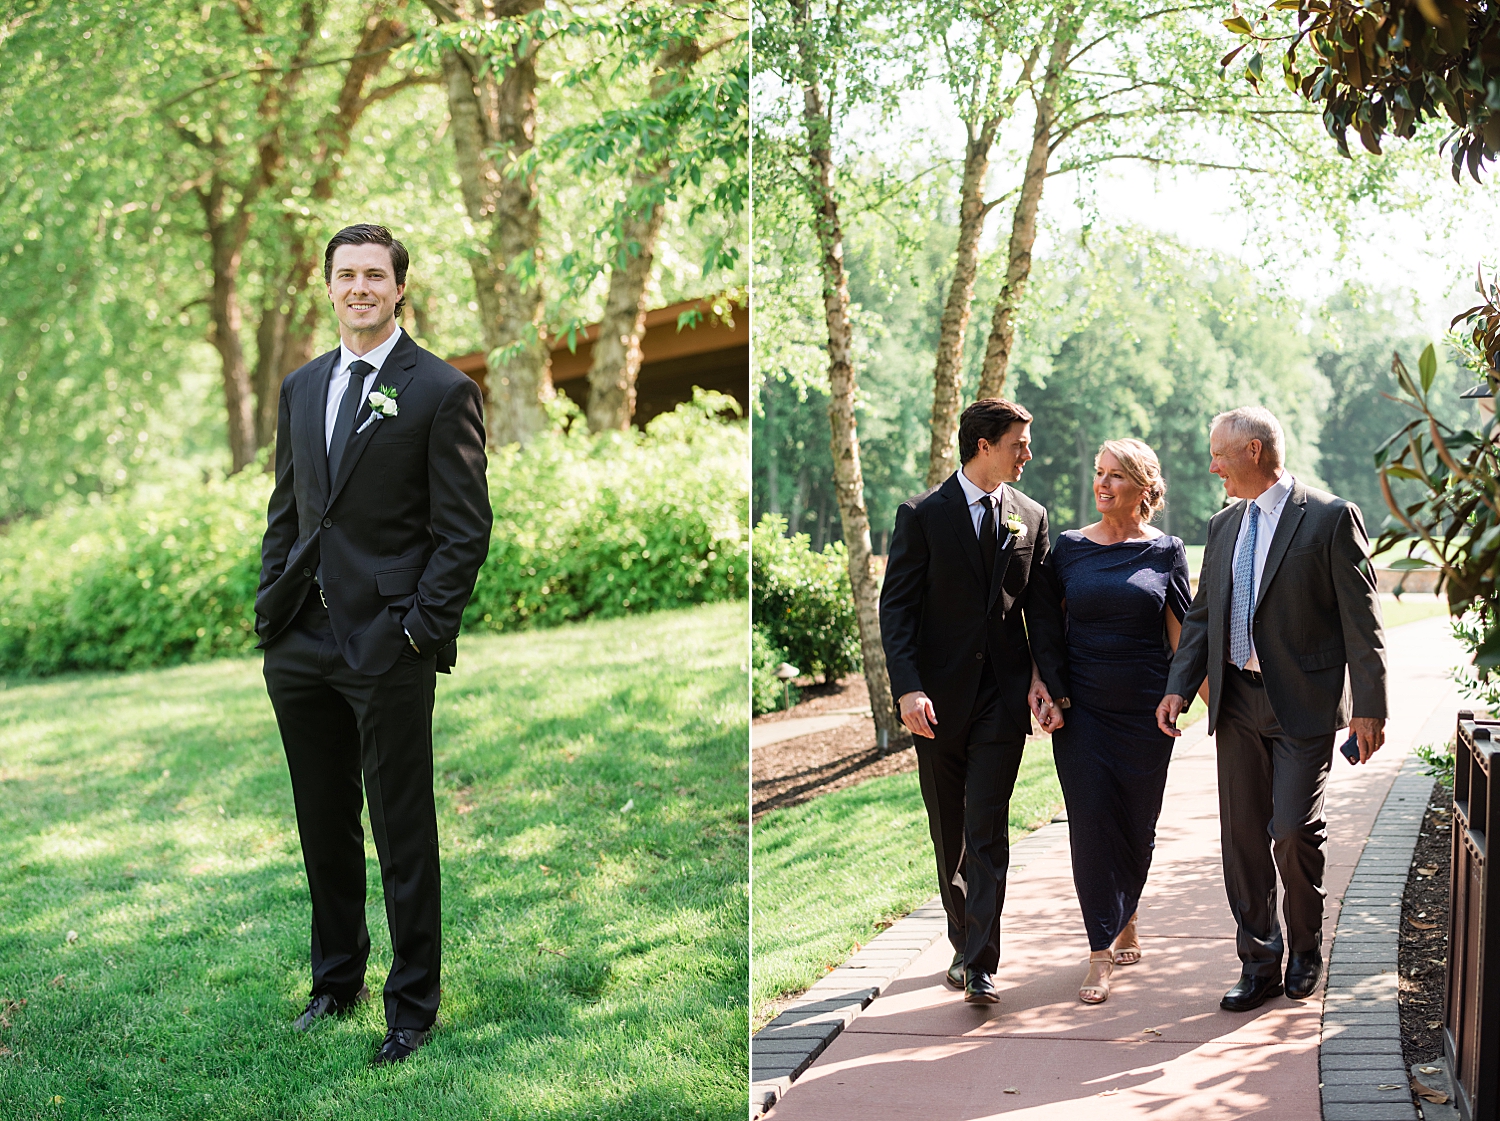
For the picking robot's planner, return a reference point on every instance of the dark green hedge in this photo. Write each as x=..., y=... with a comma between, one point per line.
x=624, y=522
x=803, y=600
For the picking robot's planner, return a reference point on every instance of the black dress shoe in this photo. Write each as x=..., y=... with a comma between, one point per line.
x=1303, y=972
x=1250, y=992
x=398, y=1046
x=323, y=1004
x=979, y=987
x=955, y=974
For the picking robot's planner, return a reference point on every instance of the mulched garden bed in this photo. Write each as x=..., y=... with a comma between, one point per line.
x=798, y=770
x=1423, y=955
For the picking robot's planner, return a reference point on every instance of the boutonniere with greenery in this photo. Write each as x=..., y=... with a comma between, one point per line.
x=1016, y=526
x=382, y=405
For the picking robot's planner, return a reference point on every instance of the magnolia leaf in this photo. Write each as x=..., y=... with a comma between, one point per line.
x=1227, y=59
x=1286, y=5
x=1399, y=472
x=1410, y=564
x=1239, y=25
x=1420, y=925
x=1255, y=66
x=1427, y=367
x=1427, y=1093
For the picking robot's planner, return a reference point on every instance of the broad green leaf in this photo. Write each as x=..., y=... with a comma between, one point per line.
x=1427, y=367
x=1239, y=25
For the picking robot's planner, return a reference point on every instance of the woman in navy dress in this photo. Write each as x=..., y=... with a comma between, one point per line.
x=1125, y=589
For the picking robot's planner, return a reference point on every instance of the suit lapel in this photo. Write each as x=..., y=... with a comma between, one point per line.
x=963, y=525
x=317, y=421
x=397, y=373
x=1291, y=517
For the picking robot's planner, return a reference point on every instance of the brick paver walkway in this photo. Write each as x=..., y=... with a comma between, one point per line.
x=1160, y=1047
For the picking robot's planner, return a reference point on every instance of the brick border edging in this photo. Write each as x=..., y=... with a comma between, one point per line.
x=1360, y=1046
x=787, y=1046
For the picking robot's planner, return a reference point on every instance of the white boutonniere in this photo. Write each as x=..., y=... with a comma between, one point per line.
x=382, y=405
x=1016, y=526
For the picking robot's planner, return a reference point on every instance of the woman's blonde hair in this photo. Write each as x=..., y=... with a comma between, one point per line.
x=1140, y=463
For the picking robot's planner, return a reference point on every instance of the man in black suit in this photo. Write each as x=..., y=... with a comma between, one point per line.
x=375, y=533
x=1286, y=628
x=972, y=627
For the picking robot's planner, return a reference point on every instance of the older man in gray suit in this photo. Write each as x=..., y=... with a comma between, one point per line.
x=1286, y=627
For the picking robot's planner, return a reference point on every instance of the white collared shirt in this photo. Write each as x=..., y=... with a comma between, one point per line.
x=976, y=497
x=340, y=380
x=1272, y=501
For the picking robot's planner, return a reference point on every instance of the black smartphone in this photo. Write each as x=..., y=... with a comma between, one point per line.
x=1350, y=748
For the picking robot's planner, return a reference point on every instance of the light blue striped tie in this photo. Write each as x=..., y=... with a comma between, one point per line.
x=1242, y=607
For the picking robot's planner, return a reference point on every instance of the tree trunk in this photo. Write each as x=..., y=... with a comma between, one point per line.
x=493, y=125
x=997, y=349
x=617, y=349
x=226, y=236
x=844, y=439
x=948, y=370
x=290, y=315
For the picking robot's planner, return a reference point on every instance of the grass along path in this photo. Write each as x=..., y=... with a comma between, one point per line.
x=830, y=872
x=591, y=802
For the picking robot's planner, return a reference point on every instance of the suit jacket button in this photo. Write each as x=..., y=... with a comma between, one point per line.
x=327, y=523
x=979, y=657
x=307, y=572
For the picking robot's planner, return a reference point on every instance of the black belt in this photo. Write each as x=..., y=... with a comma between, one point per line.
x=1249, y=676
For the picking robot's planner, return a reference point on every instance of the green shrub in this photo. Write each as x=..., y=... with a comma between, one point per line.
x=767, y=693
x=617, y=523
x=148, y=578
x=804, y=601
x=608, y=525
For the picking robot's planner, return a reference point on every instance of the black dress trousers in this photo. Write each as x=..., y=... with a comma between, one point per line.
x=337, y=726
x=1271, y=819
x=966, y=784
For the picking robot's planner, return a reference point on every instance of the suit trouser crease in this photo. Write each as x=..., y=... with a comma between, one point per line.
x=966, y=786
x=1271, y=788
x=338, y=727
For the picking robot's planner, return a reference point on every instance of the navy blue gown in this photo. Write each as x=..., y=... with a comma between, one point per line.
x=1111, y=757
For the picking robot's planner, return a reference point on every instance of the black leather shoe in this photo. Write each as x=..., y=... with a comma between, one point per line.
x=398, y=1046
x=979, y=987
x=1303, y=971
x=955, y=974
x=322, y=1004
x=1250, y=992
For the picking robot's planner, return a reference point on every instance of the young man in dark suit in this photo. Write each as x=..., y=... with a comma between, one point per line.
x=1286, y=628
x=375, y=533
x=966, y=610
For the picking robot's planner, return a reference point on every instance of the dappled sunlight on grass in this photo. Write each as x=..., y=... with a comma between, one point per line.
x=590, y=784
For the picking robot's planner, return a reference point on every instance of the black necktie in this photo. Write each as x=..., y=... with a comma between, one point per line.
x=354, y=393
x=988, y=539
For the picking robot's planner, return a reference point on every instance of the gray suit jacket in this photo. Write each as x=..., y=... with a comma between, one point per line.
x=1317, y=622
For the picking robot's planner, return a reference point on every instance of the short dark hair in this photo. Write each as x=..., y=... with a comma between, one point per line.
x=987, y=419
x=367, y=233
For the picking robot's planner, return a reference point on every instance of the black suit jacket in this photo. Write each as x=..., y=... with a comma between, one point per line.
x=400, y=533
x=1317, y=625
x=940, y=621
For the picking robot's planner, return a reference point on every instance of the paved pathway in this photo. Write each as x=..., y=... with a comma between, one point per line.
x=1159, y=1047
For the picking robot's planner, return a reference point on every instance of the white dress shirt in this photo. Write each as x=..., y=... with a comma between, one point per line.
x=340, y=380
x=1271, y=502
x=976, y=498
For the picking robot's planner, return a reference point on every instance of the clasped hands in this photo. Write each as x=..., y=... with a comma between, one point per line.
x=919, y=716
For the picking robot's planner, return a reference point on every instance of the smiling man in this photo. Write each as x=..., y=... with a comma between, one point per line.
x=966, y=606
x=375, y=533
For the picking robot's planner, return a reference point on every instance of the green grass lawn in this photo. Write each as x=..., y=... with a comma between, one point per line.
x=591, y=788
x=1411, y=608
x=827, y=872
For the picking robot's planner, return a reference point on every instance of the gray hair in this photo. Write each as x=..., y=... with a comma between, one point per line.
x=1255, y=423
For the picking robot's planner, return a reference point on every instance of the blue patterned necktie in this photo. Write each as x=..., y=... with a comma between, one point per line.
x=1242, y=607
